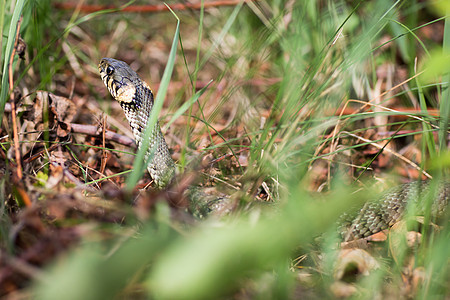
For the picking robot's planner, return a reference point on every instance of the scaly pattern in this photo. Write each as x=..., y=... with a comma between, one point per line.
x=136, y=99
x=384, y=212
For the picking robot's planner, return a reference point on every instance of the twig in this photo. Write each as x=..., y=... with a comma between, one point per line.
x=150, y=8
x=406, y=160
x=18, y=176
x=109, y=135
x=228, y=155
x=36, y=155
x=13, y=105
x=242, y=82
x=104, y=153
x=341, y=123
x=23, y=267
x=72, y=177
x=93, y=131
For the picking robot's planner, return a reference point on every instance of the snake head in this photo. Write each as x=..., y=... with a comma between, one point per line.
x=119, y=78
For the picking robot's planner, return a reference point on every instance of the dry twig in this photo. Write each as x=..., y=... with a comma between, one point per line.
x=150, y=8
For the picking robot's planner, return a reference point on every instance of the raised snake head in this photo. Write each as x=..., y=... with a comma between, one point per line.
x=120, y=79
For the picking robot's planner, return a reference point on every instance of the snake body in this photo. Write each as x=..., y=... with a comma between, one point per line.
x=384, y=212
x=136, y=100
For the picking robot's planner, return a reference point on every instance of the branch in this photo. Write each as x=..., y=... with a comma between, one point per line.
x=109, y=135
x=148, y=8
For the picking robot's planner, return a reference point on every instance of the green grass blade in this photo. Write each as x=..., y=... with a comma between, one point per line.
x=139, y=165
x=445, y=101
x=2, y=21
x=187, y=105
x=9, y=48
x=222, y=34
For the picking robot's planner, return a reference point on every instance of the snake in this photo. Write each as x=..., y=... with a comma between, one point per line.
x=136, y=99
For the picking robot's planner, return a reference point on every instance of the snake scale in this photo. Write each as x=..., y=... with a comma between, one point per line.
x=136, y=100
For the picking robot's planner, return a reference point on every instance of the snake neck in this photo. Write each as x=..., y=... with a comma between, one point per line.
x=159, y=162
x=138, y=111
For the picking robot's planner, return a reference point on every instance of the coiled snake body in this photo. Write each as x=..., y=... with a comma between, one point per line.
x=136, y=100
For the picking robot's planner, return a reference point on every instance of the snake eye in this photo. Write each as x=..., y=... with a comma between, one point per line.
x=109, y=70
